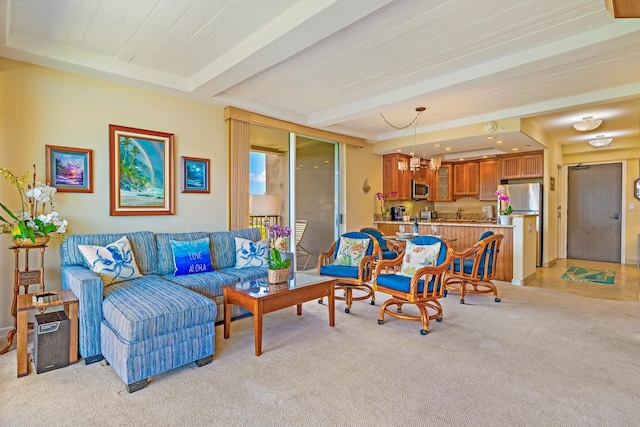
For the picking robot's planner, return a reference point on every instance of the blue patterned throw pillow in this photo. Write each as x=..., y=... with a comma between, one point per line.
x=191, y=256
x=251, y=254
x=113, y=263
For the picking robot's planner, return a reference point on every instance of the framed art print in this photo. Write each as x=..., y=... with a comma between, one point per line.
x=69, y=169
x=141, y=169
x=194, y=175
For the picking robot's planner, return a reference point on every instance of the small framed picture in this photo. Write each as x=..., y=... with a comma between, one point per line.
x=194, y=175
x=69, y=169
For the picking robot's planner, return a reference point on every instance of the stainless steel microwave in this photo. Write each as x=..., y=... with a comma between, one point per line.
x=419, y=189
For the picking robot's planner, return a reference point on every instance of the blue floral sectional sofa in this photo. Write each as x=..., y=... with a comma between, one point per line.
x=158, y=321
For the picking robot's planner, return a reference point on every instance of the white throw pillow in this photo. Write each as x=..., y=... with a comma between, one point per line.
x=351, y=251
x=113, y=263
x=418, y=256
x=251, y=254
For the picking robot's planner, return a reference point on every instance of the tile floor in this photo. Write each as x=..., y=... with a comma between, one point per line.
x=626, y=286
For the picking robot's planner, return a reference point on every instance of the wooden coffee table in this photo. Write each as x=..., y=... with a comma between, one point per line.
x=260, y=297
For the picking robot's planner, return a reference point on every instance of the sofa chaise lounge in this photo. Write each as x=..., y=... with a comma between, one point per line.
x=158, y=321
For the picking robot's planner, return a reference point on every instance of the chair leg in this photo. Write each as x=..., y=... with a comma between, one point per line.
x=424, y=317
x=349, y=299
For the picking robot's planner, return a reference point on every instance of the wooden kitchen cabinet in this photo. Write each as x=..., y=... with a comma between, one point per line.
x=429, y=176
x=443, y=184
x=489, y=179
x=465, y=179
x=522, y=166
x=394, y=179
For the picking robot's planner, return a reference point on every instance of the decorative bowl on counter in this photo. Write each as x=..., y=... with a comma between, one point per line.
x=404, y=235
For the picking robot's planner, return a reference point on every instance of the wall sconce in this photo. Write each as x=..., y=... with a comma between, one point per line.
x=366, y=187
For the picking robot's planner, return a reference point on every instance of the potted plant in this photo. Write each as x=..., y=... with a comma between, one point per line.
x=32, y=225
x=279, y=237
x=504, y=217
x=278, y=267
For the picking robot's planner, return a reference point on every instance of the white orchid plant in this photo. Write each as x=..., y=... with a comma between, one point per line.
x=33, y=219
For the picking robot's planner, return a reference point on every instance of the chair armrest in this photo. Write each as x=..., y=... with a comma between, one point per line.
x=438, y=271
x=365, y=270
x=88, y=288
x=387, y=263
x=326, y=257
x=468, y=253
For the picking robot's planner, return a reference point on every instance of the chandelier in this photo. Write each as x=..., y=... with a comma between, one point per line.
x=600, y=141
x=435, y=163
x=414, y=162
x=587, y=124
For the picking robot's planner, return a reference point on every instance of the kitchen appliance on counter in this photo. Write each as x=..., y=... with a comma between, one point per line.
x=527, y=199
x=397, y=212
x=489, y=211
x=428, y=215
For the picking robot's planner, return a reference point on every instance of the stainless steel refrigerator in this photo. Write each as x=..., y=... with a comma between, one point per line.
x=527, y=199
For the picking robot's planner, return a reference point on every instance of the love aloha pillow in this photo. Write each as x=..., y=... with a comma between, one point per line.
x=191, y=256
x=113, y=263
x=351, y=251
x=418, y=256
x=251, y=254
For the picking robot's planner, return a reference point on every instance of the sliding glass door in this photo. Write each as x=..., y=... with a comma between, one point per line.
x=292, y=170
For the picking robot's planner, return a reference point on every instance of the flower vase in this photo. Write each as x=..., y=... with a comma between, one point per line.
x=504, y=219
x=278, y=276
x=27, y=243
x=281, y=243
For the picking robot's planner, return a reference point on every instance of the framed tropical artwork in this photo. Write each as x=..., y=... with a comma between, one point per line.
x=69, y=169
x=141, y=169
x=194, y=175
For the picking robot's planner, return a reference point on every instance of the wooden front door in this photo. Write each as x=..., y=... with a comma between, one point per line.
x=594, y=212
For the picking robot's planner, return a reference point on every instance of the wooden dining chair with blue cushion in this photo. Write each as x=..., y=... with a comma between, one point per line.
x=350, y=260
x=473, y=269
x=388, y=250
x=419, y=281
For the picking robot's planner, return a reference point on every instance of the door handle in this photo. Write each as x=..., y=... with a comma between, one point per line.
x=615, y=216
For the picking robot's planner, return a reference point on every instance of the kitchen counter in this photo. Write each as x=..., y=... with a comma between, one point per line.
x=517, y=262
x=453, y=222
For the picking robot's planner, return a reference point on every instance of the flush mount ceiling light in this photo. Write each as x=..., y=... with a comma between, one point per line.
x=587, y=124
x=600, y=141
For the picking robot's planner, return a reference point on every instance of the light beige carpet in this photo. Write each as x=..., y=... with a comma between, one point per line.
x=538, y=358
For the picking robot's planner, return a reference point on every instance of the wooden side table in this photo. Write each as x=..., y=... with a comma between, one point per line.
x=24, y=279
x=25, y=303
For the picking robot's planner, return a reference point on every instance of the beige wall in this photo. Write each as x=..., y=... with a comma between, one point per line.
x=41, y=106
x=361, y=164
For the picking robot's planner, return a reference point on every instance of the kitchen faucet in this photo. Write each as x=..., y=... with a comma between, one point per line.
x=458, y=213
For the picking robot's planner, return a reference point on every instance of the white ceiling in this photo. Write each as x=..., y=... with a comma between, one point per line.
x=338, y=64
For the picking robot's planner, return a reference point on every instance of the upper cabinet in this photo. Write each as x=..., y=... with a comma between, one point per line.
x=522, y=166
x=394, y=179
x=443, y=184
x=489, y=179
x=465, y=179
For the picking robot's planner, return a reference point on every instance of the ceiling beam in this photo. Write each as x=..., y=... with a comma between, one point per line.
x=366, y=106
x=623, y=8
x=304, y=24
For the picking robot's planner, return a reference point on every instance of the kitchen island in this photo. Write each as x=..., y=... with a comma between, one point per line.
x=517, y=259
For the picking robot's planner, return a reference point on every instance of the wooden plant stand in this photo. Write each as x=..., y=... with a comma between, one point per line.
x=23, y=279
